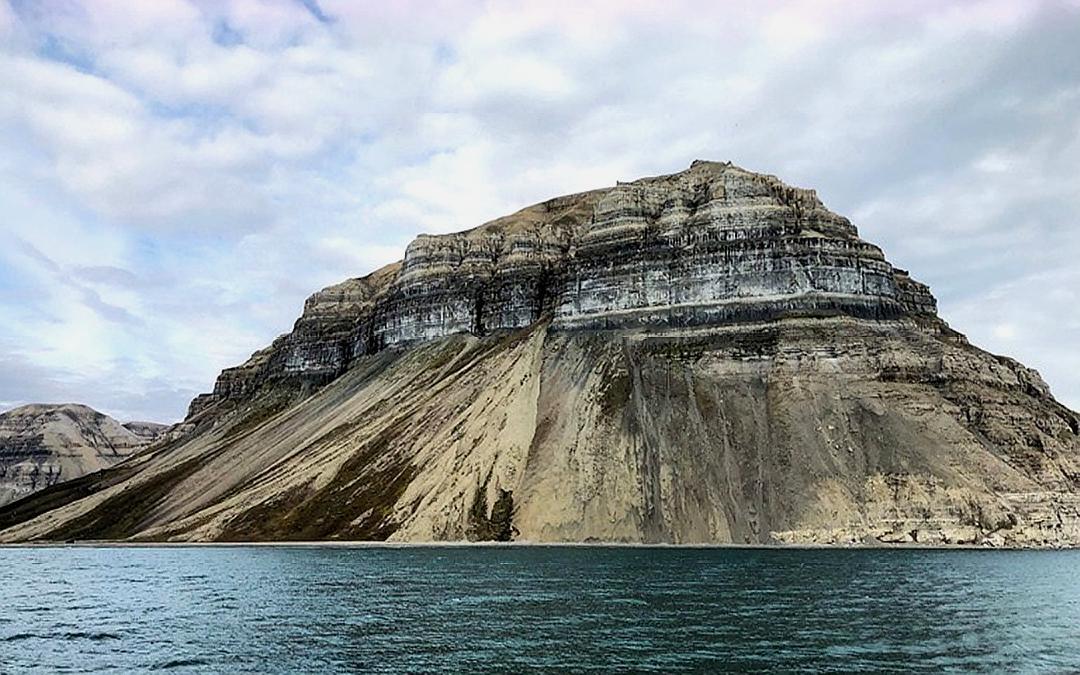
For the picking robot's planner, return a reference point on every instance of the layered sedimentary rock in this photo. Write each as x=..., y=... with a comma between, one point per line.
x=42, y=445
x=714, y=244
x=710, y=356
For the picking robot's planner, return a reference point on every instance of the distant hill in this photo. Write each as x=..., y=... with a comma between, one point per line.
x=41, y=445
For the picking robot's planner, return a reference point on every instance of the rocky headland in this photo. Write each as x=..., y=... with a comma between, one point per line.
x=710, y=356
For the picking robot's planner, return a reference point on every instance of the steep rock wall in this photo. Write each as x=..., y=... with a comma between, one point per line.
x=713, y=244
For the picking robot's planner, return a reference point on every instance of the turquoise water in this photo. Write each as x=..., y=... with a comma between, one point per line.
x=280, y=609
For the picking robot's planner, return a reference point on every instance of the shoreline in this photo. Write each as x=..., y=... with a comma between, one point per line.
x=522, y=544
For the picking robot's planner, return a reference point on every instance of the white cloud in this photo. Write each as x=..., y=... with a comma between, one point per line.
x=7, y=19
x=268, y=23
x=205, y=73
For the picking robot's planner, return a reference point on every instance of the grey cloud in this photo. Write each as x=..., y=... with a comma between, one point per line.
x=316, y=11
x=106, y=310
x=90, y=298
x=119, y=393
x=107, y=274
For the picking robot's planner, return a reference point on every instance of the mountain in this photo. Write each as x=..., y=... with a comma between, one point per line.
x=42, y=445
x=708, y=356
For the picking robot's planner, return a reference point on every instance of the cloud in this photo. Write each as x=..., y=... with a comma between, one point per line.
x=7, y=20
x=21, y=382
x=182, y=174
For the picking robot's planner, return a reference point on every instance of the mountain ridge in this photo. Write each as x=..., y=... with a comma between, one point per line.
x=709, y=356
x=529, y=243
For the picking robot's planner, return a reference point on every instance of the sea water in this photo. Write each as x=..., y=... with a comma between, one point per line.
x=266, y=609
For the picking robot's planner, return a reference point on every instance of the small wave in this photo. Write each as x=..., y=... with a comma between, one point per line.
x=179, y=663
x=628, y=601
x=77, y=635
x=19, y=637
x=95, y=637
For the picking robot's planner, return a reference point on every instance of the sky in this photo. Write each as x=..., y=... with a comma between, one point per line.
x=177, y=176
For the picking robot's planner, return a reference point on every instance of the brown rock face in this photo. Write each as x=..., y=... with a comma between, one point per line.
x=42, y=445
x=710, y=356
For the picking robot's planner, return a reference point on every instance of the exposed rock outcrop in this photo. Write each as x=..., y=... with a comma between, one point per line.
x=42, y=445
x=712, y=245
x=710, y=356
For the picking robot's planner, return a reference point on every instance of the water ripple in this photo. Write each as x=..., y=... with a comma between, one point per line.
x=278, y=610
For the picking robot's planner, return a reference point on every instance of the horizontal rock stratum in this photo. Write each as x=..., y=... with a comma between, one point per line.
x=710, y=356
x=42, y=445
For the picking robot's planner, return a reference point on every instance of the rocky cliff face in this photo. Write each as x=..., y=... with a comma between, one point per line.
x=710, y=356
x=712, y=245
x=42, y=445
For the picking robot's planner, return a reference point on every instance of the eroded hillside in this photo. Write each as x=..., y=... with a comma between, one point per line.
x=710, y=356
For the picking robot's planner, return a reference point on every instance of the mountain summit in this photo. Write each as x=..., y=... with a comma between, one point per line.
x=707, y=356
